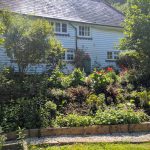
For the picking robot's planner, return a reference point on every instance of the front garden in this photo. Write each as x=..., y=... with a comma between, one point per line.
x=53, y=99
x=102, y=98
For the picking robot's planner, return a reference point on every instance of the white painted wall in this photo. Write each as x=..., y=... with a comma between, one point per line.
x=103, y=39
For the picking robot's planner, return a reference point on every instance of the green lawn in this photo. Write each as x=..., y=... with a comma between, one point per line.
x=99, y=146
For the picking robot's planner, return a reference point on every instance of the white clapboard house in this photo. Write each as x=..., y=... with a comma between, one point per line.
x=91, y=25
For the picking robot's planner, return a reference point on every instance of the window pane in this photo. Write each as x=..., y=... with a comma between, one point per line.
x=57, y=27
x=116, y=55
x=88, y=31
x=70, y=50
x=69, y=56
x=64, y=27
x=80, y=30
x=84, y=31
x=109, y=55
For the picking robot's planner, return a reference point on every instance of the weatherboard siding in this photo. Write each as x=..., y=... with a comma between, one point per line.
x=102, y=39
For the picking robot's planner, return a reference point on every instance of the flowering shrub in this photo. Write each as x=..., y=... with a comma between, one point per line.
x=102, y=78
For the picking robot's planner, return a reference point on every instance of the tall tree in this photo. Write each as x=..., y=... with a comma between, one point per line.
x=29, y=41
x=2, y=29
x=137, y=31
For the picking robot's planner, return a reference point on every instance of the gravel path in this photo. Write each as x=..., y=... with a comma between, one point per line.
x=119, y=137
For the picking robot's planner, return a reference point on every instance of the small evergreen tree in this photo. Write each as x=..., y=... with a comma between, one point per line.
x=30, y=41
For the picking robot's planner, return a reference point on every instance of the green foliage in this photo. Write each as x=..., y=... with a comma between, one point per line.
x=120, y=116
x=27, y=113
x=95, y=101
x=56, y=78
x=77, y=77
x=2, y=138
x=54, y=53
x=28, y=42
x=36, y=100
x=137, y=33
x=60, y=97
x=21, y=137
x=48, y=113
x=2, y=28
x=6, y=84
x=74, y=120
x=100, y=79
x=129, y=59
x=121, y=7
x=141, y=99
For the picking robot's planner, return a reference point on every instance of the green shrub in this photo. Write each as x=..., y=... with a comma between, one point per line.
x=27, y=113
x=77, y=77
x=102, y=78
x=2, y=138
x=120, y=116
x=60, y=97
x=6, y=82
x=55, y=79
x=129, y=59
x=141, y=99
x=110, y=116
x=74, y=120
x=48, y=113
x=95, y=101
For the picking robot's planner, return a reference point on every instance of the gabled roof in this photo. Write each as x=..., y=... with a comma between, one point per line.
x=87, y=11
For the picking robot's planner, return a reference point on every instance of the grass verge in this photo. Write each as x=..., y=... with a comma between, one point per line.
x=96, y=146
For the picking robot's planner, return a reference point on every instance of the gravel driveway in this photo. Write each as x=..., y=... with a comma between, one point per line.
x=119, y=137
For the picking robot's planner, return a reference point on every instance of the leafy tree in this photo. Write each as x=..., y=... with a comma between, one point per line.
x=121, y=7
x=30, y=41
x=2, y=28
x=137, y=31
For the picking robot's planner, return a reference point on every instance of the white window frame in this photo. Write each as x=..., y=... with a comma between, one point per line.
x=115, y=55
x=85, y=31
x=61, y=28
x=69, y=51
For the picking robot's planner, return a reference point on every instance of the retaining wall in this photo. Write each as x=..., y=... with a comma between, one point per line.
x=91, y=130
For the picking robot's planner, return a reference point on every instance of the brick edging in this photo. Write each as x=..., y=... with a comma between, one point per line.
x=90, y=130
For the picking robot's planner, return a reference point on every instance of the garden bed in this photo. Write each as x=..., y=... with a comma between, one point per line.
x=90, y=130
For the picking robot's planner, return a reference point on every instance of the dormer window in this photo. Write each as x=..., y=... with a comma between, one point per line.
x=84, y=31
x=60, y=27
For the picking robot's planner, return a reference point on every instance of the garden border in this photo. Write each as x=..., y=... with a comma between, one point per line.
x=89, y=130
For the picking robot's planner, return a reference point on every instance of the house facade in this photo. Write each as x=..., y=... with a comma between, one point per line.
x=90, y=25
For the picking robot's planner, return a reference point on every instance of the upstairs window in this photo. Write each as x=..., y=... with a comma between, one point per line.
x=84, y=31
x=113, y=55
x=57, y=27
x=64, y=28
x=60, y=27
